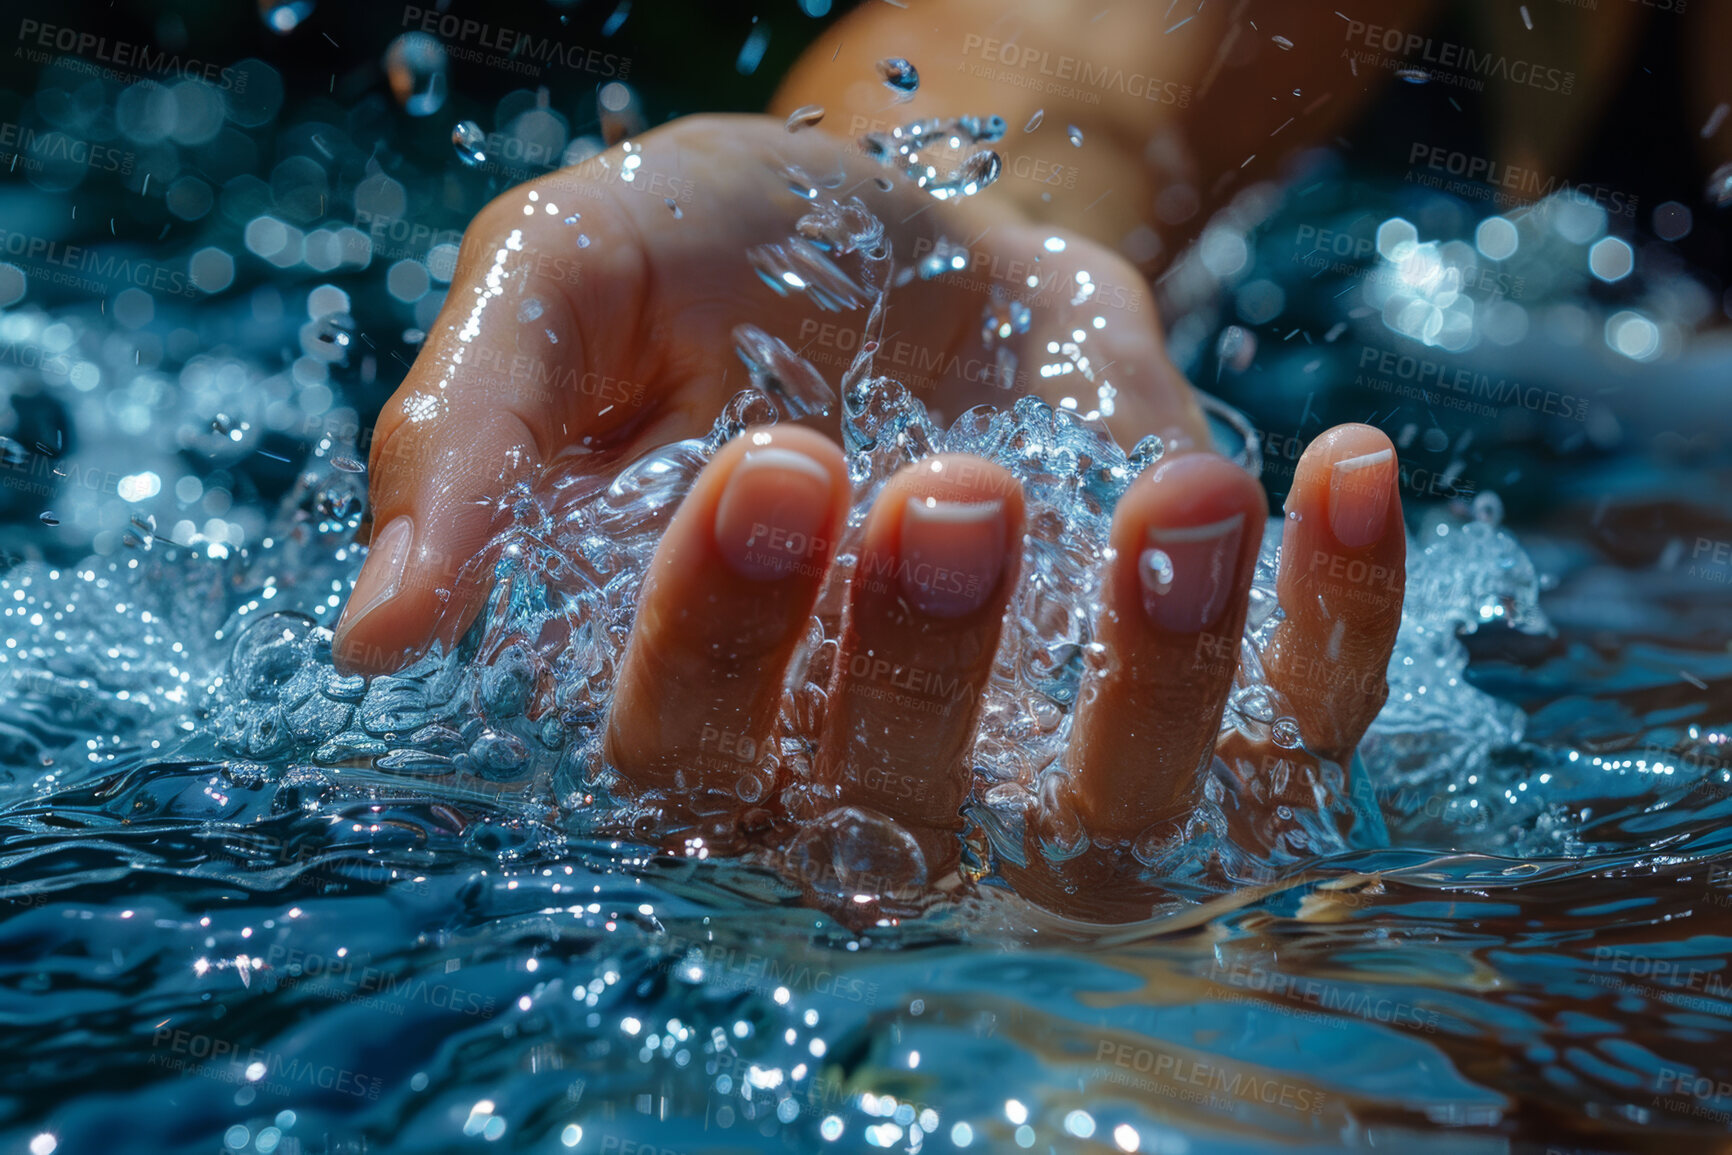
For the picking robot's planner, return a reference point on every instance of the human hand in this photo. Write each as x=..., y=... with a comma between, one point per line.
x=633, y=332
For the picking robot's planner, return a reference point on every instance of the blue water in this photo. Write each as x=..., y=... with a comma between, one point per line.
x=251, y=904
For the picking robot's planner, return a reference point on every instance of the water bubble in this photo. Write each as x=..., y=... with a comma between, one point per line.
x=673, y=207
x=1285, y=733
x=899, y=75
x=284, y=16
x=1488, y=508
x=347, y=464
x=884, y=183
x=1034, y=121
x=48, y=518
x=468, y=139
x=1413, y=75
x=1282, y=43
x=805, y=116
x=415, y=66
x=1074, y=135
x=268, y=653
x=529, y=310
x=1672, y=221
x=12, y=454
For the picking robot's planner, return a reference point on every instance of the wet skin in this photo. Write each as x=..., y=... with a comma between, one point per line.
x=628, y=346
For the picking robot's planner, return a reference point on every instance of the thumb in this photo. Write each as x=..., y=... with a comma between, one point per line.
x=499, y=388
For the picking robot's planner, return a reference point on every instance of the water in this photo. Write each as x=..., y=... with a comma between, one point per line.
x=254, y=904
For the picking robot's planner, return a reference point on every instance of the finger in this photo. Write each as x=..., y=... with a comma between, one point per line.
x=936, y=567
x=1343, y=565
x=502, y=384
x=1185, y=541
x=727, y=598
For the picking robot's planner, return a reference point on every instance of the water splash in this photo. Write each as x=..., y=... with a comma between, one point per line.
x=942, y=155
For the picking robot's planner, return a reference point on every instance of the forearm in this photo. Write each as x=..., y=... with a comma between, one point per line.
x=1173, y=120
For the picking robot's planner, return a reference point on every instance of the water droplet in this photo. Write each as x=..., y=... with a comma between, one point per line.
x=1413, y=75
x=583, y=240
x=284, y=16
x=47, y=518
x=12, y=454
x=221, y=425
x=1720, y=186
x=529, y=310
x=1034, y=121
x=573, y=218
x=673, y=208
x=1075, y=135
x=1282, y=43
x=885, y=184
x=805, y=116
x=347, y=464
x=1236, y=348
x=980, y=170
x=1285, y=733
x=415, y=67
x=468, y=139
x=1488, y=508
x=899, y=75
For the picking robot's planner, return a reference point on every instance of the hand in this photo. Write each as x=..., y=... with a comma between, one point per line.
x=572, y=346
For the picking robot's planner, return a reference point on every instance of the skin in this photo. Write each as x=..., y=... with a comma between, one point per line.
x=652, y=303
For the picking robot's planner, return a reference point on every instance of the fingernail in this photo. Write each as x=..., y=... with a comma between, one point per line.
x=1359, y=497
x=772, y=512
x=381, y=575
x=1187, y=573
x=952, y=554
